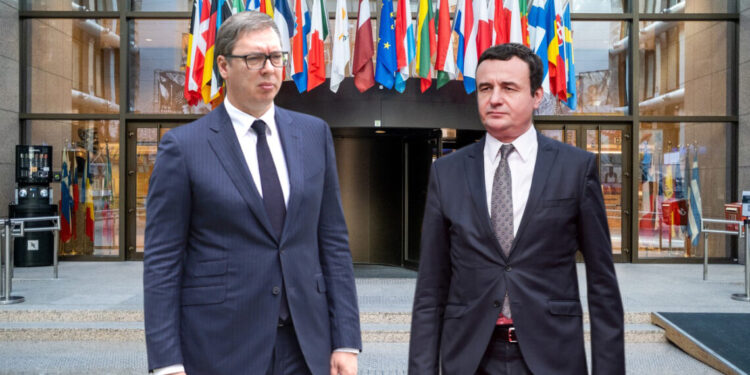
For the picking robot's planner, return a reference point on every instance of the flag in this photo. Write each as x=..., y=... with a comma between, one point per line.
x=518, y=28
x=284, y=20
x=405, y=43
x=253, y=5
x=299, y=44
x=195, y=47
x=316, y=57
x=572, y=99
x=484, y=30
x=65, y=202
x=236, y=6
x=556, y=52
x=538, y=37
x=89, y=199
x=266, y=6
x=386, y=65
x=426, y=43
x=362, y=69
x=444, y=64
x=341, y=53
x=211, y=9
x=223, y=12
x=499, y=21
x=695, y=209
x=470, y=56
x=462, y=25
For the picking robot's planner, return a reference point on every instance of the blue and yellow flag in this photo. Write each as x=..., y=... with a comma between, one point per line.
x=386, y=63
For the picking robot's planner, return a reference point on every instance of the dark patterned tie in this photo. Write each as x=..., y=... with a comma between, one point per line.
x=502, y=209
x=273, y=197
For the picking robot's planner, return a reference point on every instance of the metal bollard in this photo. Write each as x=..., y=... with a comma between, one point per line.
x=745, y=296
x=7, y=298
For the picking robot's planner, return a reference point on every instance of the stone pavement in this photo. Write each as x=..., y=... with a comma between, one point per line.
x=90, y=321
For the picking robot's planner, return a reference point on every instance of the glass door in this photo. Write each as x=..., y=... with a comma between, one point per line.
x=611, y=145
x=143, y=141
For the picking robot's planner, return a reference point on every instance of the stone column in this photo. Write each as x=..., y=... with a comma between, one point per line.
x=744, y=108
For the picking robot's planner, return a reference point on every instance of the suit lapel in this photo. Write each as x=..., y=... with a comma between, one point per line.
x=290, y=142
x=545, y=158
x=474, y=163
x=223, y=141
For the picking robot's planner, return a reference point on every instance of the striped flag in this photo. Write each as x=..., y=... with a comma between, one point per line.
x=695, y=210
x=65, y=202
x=316, y=58
x=197, y=50
x=518, y=29
x=253, y=5
x=362, y=67
x=499, y=22
x=462, y=25
x=284, y=20
x=406, y=49
x=341, y=53
x=426, y=43
x=88, y=199
x=444, y=64
x=299, y=44
x=266, y=6
x=556, y=52
x=210, y=10
x=570, y=69
x=484, y=29
x=538, y=35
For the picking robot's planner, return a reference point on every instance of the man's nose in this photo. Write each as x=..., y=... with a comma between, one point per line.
x=497, y=97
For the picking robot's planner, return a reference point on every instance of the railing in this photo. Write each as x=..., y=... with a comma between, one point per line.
x=741, y=231
x=16, y=227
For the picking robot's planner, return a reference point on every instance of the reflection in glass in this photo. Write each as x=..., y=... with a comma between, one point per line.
x=94, y=144
x=162, y=5
x=74, y=65
x=598, y=6
x=610, y=172
x=68, y=5
x=687, y=6
x=147, y=141
x=600, y=59
x=666, y=154
x=157, y=68
x=685, y=68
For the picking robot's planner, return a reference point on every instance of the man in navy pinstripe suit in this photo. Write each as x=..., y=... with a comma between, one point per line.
x=247, y=268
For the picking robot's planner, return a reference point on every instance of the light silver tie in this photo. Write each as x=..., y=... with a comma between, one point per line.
x=502, y=210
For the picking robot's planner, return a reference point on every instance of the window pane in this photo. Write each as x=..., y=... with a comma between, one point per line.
x=600, y=59
x=73, y=65
x=162, y=5
x=687, y=6
x=598, y=6
x=77, y=142
x=685, y=68
x=157, y=67
x=68, y=5
x=667, y=152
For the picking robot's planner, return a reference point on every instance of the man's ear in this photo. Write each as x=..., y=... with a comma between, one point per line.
x=538, y=96
x=223, y=63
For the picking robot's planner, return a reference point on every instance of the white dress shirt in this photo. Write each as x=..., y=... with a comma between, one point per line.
x=521, y=163
x=242, y=123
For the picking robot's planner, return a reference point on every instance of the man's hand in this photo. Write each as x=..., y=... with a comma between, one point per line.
x=343, y=363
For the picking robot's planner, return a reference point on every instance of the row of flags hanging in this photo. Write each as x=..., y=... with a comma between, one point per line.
x=542, y=25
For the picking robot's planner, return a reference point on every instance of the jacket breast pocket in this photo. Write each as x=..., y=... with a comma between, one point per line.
x=565, y=307
x=207, y=268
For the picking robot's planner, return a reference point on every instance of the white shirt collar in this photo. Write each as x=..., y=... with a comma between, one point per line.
x=243, y=121
x=524, y=145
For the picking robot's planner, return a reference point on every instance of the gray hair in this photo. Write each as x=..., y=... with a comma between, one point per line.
x=239, y=24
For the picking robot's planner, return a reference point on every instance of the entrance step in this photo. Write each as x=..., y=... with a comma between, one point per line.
x=127, y=325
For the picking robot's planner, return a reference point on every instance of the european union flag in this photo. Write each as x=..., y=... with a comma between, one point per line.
x=385, y=71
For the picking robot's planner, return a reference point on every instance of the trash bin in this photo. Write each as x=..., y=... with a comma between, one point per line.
x=34, y=249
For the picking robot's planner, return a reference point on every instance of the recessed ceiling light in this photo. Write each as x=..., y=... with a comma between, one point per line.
x=149, y=40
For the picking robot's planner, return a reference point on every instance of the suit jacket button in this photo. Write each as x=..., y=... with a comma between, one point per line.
x=276, y=290
x=496, y=304
x=508, y=268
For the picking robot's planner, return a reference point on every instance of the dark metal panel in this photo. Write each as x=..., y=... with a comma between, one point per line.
x=689, y=17
x=688, y=118
x=67, y=116
x=67, y=14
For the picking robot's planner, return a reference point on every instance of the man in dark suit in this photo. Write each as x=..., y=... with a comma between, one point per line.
x=247, y=268
x=497, y=291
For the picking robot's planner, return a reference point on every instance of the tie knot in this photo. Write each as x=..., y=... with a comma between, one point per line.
x=506, y=149
x=260, y=127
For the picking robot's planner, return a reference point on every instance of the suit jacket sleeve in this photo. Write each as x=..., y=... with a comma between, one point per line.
x=432, y=284
x=605, y=303
x=167, y=224
x=336, y=259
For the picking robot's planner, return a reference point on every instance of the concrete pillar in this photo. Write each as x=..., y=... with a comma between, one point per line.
x=9, y=102
x=744, y=107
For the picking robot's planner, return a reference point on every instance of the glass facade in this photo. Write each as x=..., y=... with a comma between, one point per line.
x=647, y=109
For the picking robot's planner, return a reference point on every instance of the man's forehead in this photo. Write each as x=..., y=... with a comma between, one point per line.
x=262, y=38
x=503, y=71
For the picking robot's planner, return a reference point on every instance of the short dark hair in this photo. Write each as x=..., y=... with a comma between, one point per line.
x=239, y=24
x=507, y=51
